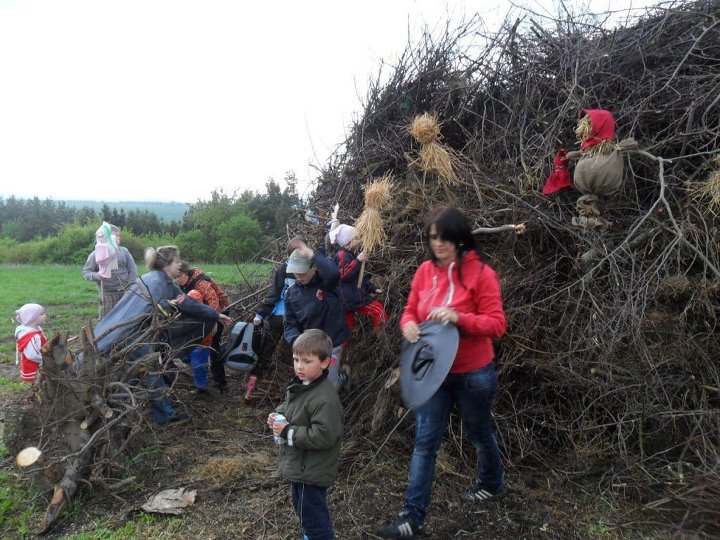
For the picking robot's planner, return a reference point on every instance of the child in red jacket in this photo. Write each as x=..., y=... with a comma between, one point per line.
x=30, y=338
x=356, y=300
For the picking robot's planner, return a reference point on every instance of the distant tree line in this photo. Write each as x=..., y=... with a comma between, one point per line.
x=225, y=228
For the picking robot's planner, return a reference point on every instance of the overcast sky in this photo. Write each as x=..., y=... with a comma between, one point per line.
x=167, y=99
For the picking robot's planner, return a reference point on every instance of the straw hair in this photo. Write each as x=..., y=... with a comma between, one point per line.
x=425, y=128
x=434, y=157
x=370, y=224
x=584, y=132
x=710, y=188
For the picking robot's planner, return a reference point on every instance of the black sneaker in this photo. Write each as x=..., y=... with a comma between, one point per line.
x=478, y=493
x=404, y=526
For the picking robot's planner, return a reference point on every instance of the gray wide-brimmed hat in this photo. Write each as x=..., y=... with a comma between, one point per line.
x=425, y=363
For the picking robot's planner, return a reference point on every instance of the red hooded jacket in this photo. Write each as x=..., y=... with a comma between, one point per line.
x=476, y=298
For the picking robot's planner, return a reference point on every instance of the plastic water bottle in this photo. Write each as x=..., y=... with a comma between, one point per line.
x=279, y=419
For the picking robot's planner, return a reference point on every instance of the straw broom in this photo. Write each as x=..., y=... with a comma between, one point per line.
x=434, y=157
x=370, y=224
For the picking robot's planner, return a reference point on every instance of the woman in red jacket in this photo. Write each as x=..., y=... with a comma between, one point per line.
x=456, y=286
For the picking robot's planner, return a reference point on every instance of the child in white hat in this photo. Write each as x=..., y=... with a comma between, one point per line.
x=30, y=338
x=356, y=300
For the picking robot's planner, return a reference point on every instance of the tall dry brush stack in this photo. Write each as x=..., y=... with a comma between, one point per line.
x=611, y=358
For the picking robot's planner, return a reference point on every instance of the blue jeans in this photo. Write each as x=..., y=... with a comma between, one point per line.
x=198, y=360
x=474, y=393
x=310, y=504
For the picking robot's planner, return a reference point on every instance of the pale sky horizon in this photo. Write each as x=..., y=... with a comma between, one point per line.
x=166, y=100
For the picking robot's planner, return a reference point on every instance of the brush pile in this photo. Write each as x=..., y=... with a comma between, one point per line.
x=610, y=366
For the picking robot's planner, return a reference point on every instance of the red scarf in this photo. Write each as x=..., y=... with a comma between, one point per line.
x=602, y=127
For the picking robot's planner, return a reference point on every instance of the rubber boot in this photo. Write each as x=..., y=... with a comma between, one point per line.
x=251, y=382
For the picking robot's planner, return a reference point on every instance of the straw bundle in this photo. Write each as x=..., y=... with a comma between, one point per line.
x=434, y=157
x=370, y=224
x=710, y=188
x=371, y=232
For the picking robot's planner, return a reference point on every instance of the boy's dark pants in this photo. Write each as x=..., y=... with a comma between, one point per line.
x=273, y=340
x=310, y=504
x=217, y=367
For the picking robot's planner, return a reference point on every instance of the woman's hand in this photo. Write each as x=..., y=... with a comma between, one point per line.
x=444, y=315
x=411, y=331
x=362, y=256
x=224, y=320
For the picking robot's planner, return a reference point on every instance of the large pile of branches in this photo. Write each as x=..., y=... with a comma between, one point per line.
x=610, y=360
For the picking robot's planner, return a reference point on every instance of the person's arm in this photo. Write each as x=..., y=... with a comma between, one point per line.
x=488, y=318
x=291, y=324
x=327, y=270
x=348, y=266
x=323, y=432
x=91, y=267
x=131, y=267
x=32, y=349
x=271, y=298
x=205, y=288
x=410, y=320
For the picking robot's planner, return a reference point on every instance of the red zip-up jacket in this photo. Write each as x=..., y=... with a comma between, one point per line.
x=476, y=299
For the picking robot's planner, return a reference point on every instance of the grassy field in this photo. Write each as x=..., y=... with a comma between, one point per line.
x=71, y=301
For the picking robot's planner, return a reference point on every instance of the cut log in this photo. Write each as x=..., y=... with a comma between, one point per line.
x=29, y=456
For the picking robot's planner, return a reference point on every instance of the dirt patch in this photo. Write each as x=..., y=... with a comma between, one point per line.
x=225, y=452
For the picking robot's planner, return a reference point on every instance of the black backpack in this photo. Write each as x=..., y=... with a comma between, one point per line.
x=240, y=351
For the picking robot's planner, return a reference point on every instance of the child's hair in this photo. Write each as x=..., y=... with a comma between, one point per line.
x=293, y=241
x=314, y=342
x=185, y=269
x=157, y=259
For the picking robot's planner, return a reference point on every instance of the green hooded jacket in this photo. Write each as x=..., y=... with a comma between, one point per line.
x=313, y=433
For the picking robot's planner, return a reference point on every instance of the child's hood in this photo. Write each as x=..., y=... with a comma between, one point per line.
x=23, y=329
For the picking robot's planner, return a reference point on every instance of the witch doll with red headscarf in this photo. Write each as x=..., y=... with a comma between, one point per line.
x=599, y=171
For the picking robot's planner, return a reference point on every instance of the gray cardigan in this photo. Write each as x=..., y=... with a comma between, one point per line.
x=120, y=279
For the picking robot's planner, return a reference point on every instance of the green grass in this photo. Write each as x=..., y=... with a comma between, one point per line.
x=6, y=385
x=71, y=302
x=144, y=526
x=17, y=508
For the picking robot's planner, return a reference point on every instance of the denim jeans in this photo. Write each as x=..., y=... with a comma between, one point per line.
x=310, y=504
x=473, y=393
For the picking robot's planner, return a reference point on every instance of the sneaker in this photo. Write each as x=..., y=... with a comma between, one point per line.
x=404, y=526
x=480, y=494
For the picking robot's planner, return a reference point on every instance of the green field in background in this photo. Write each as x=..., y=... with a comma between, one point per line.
x=71, y=301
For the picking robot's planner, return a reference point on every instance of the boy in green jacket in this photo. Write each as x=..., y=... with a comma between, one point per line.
x=310, y=434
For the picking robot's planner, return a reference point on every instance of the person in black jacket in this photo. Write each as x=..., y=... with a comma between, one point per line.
x=272, y=310
x=313, y=302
